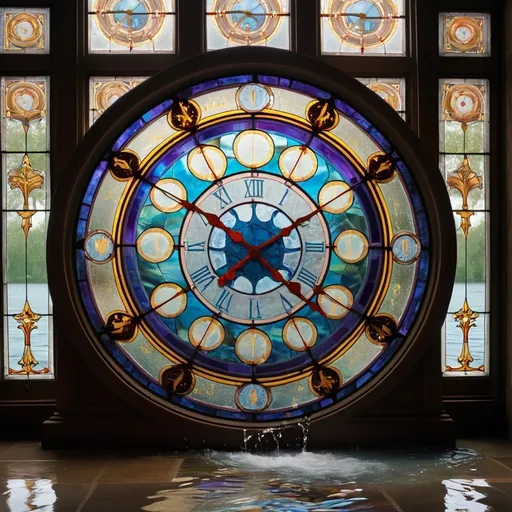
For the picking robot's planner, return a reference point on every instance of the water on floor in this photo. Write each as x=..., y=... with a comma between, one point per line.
x=476, y=478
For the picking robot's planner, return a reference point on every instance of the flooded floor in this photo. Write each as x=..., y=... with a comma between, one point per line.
x=475, y=478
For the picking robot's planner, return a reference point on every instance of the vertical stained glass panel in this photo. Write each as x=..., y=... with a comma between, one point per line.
x=104, y=91
x=125, y=26
x=464, y=162
x=27, y=311
x=248, y=23
x=391, y=90
x=365, y=27
x=25, y=30
x=465, y=34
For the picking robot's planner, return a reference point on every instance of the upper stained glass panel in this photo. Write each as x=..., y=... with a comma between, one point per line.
x=363, y=27
x=125, y=26
x=25, y=30
x=465, y=34
x=248, y=22
x=104, y=91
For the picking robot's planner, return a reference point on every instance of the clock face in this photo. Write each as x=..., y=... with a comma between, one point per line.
x=252, y=249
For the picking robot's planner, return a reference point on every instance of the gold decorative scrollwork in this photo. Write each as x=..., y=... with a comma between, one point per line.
x=363, y=29
x=24, y=30
x=464, y=34
x=25, y=101
x=119, y=24
x=463, y=103
x=390, y=93
x=247, y=24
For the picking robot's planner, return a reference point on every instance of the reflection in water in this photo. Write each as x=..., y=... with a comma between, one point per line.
x=316, y=482
x=461, y=495
x=30, y=495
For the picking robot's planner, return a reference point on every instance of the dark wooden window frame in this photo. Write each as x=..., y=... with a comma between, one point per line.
x=70, y=66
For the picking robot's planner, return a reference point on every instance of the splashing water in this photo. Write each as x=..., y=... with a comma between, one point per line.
x=318, y=465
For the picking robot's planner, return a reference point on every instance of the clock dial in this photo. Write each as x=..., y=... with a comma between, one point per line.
x=235, y=280
x=251, y=263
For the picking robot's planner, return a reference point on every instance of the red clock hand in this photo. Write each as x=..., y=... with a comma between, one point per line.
x=212, y=219
x=230, y=274
x=292, y=286
x=288, y=230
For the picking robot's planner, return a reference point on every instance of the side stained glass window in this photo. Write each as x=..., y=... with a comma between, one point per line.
x=125, y=26
x=27, y=308
x=104, y=91
x=24, y=30
x=365, y=27
x=465, y=34
x=391, y=90
x=464, y=160
x=248, y=22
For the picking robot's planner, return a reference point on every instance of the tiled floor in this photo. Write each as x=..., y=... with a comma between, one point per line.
x=465, y=481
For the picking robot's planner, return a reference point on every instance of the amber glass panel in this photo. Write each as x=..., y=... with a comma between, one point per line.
x=364, y=27
x=464, y=150
x=248, y=23
x=391, y=90
x=27, y=312
x=24, y=30
x=125, y=26
x=104, y=91
x=465, y=34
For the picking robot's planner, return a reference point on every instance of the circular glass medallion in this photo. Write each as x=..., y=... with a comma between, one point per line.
x=406, y=248
x=254, y=98
x=351, y=246
x=298, y=163
x=155, y=245
x=167, y=195
x=99, y=247
x=253, y=148
x=206, y=333
x=299, y=334
x=253, y=398
x=208, y=163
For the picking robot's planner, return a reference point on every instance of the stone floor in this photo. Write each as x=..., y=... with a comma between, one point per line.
x=478, y=478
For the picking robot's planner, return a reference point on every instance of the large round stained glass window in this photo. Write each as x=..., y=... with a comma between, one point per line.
x=251, y=248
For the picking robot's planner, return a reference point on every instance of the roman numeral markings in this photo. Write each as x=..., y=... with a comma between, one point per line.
x=307, y=277
x=287, y=305
x=284, y=197
x=254, y=309
x=202, y=276
x=254, y=188
x=223, y=196
x=199, y=247
x=224, y=301
x=315, y=247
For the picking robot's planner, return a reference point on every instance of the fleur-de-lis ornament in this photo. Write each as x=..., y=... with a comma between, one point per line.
x=466, y=319
x=28, y=322
x=26, y=179
x=464, y=179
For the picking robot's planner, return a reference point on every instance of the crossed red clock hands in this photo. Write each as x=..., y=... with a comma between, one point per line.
x=254, y=252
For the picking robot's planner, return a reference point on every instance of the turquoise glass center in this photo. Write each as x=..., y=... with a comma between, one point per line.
x=132, y=14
